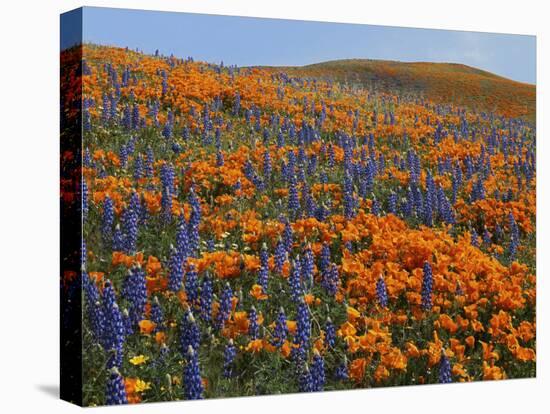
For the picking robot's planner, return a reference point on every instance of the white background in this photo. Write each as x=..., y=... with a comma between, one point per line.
x=29, y=235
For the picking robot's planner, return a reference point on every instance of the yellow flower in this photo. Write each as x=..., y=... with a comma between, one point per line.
x=142, y=385
x=139, y=359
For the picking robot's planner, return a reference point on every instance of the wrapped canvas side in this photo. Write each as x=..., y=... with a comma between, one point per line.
x=72, y=206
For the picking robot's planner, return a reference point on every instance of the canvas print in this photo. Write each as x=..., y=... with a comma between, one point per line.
x=259, y=206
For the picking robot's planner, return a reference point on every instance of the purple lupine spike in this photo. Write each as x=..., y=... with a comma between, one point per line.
x=118, y=239
x=115, y=331
x=157, y=315
x=341, y=372
x=427, y=287
x=281, y=329
x=307, y=267
x=280, y=256
x=382, y=292
x=149, y=163
x=194, y=222
x=182, y=238
x=135, y=292
x=108, y=221
x=445, y=376
x=263, y=274
x=474, y=238
x=115, y=392
x=229, y=355
x=190, y=334
x=92, y=306
x=392, y=203
x=192, y=380
x=324, y=261
x=175, y=270
x=318, y=372
x=205, y=299
x=128, y=327
x=288, y=237
x=305, y=380
x=253, y=327
x=84, y=196
x=348, y=197
x=331, y=279
x=130, y=224
x=192, y=285
x=293, y=200
x=224, y=310
x=294, y=280
x=303, y=325
x=138, y=167
x=330, y=334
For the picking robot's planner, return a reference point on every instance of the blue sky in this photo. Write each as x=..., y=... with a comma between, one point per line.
x=247, y=41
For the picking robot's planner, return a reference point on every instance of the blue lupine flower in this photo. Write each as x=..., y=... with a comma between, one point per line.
x=115, y=392
x=293, y=200
x=225, y=307
x=128, y=326
x=318, y=372
x=445, y=376
x=206, y=298
x=166, y=204
x=84, y=199
x=280, y=256
x=194, y=221
x=123, y=155
x=330, y=334
x=108, y=221
x=192, y=285
x=228, y=358
x=115, y=331
x=281, y=329
x=375, y=207
x=307, y=267
x=305, y=380
x=382, y=292
x=135, y=291
x=514, y=236
x=130, y=224
x=175, y=270
x=268, y=168
x=253, y=327
x=288, y=237
x=92, y=306
x=348, y=197
x=392, y=203
x=303, y=325
x=294, y=280
x=190, y=334
x=427, y=286
x=157, y=315
x=149, y=161
x=474, y=238
x=138, y=167
x=324, y=261
x=192, y=380
x=118, y=239
x=331, y=280
x=341, y=372
x=263, y=274
x=182, y=238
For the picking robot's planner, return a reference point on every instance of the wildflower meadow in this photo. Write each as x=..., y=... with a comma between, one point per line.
x=252, y=230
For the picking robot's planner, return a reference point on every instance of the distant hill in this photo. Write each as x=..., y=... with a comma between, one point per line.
x=439, y=82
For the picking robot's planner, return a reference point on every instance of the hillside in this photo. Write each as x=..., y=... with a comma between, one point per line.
x=441, y=82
